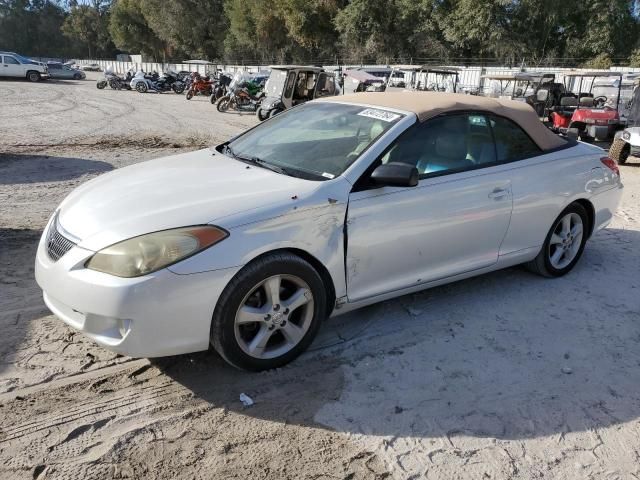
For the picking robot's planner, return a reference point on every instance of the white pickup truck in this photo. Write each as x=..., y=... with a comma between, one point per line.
x=14, y=65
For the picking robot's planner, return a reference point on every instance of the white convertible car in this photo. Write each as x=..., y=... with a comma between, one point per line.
x=335, y=204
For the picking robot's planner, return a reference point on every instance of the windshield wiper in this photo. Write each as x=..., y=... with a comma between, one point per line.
x=257, y=161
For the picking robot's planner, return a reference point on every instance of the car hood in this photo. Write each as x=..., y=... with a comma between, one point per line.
x=189, y=189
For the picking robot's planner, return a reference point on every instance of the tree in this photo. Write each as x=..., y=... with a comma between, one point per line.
x=195, y=28
x=130, y=30
x=89, y=26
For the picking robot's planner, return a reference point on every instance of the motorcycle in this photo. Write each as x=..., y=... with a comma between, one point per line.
x=143, y=83
x=220, y=87
x=245, y=95
x=117, y=82
x=199, y=86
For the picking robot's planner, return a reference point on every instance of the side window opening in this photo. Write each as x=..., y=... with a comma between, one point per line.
x=446, y=144
x=512, y=143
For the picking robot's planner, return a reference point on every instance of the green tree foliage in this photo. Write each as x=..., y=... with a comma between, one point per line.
x=130, y=30
x=88, y=26
x=193, y=28
x=534, y=32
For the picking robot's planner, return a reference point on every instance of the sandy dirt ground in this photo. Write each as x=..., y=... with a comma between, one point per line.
x=505, y=376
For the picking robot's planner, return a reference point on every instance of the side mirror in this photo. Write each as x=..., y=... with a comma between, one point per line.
x=395, y=174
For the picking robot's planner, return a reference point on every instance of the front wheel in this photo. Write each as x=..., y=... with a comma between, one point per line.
x=189, y=95
x=101, y=84
x=223, y=104
x=620, y=151
x=274, y=112
x=178, y=88
x=262, y=114
x=564, y=243
x=269, y=313
x=33, y=76
x=77, y=76
x=141, y=87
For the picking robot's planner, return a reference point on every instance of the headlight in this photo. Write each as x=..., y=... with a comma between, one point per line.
x=148, y=253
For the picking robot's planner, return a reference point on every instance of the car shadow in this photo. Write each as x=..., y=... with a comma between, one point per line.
x=27, y=168
x=506, y=355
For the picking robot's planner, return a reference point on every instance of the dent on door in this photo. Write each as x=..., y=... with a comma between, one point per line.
x=401, y=237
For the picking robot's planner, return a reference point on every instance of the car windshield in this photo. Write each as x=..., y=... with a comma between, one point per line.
x=23, y=59
x=316, y=141
x=275, y=83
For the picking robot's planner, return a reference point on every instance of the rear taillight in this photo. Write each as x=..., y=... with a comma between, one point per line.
x=611, y=165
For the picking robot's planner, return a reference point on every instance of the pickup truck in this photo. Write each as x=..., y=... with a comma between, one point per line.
x=14, y=65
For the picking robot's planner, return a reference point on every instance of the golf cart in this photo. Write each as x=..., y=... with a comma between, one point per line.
x=628, y=139
x=537, y=89
x=592, y=113
x=291, y=85
x=424, y=78
x=362, y=81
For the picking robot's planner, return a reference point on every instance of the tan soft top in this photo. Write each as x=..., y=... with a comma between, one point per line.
x=430, y=104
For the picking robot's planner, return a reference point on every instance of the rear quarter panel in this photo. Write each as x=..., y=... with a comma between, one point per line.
x=545, y=185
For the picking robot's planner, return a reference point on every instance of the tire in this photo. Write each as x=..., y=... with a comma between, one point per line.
x=178, y=88
x=101, y=84
x=189, y=95
x=141, y=87
x=543, y=264
x=77, y=76
x=33, y=76
x=114, y=85
x=287, y=332
x=262, y=114
x=620, y=151
x=223, y=104
x=274, y=112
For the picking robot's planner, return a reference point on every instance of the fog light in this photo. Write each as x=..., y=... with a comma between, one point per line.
x=124, y=326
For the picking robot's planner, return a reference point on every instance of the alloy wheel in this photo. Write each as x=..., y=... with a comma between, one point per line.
x=566, y=240
x=274, y=316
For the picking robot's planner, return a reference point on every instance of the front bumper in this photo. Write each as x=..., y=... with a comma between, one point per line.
x=152, y=316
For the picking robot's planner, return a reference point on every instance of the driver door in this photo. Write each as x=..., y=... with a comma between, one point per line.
x=12, y=67
x=451, y=223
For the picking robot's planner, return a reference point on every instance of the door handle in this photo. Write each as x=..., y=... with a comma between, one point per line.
x=499, y=193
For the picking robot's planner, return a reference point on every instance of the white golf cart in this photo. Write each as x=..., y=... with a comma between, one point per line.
x=627, y=141
x=423, y=78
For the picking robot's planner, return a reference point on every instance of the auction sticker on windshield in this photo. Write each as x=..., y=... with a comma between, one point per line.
x=379, y=114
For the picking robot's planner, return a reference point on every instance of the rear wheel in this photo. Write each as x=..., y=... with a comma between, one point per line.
x=564, y=244
x=269, y=313
x=101, y=84
x=77, y=76
x=178, y=87
x=33, y=76
x=620, y=151
x=274, y=112
x=189, y=95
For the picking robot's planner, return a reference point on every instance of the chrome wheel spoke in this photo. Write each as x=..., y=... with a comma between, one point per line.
x=566, y=225
x=557, y=255
x=272, y=289
x=556, y=239
x=259, y=342
x=299, y=298
x=248, y=314
x=576, y=230
x=292, y=333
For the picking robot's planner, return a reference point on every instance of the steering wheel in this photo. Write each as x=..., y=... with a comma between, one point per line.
x=600, y=101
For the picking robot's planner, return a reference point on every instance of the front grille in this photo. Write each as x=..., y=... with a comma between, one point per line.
x=57, y=244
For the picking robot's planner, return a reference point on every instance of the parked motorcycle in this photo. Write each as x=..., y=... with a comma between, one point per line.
x=199, y=85
x=220, y=86
x=244, y=96
x=116, y=82
x=166, y=82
